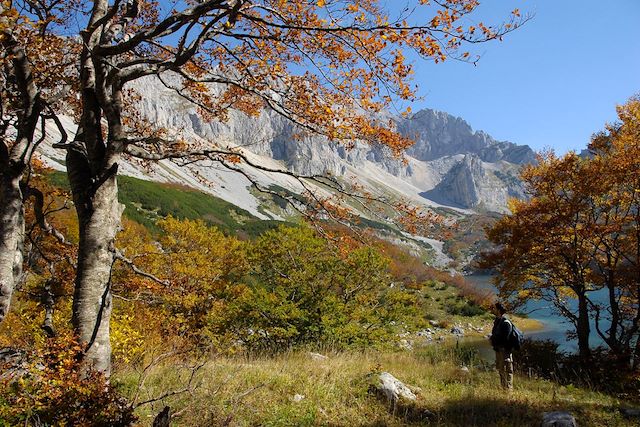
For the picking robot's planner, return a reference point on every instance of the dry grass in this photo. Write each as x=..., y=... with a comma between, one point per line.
x=260, y=391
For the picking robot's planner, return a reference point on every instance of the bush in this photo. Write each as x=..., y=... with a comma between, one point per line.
x=305, y=290
x=539, y=358
x=51, y=389
x=603, y=371
x=465, y=308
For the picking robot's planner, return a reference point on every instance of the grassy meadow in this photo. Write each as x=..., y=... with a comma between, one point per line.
x=229, y=385
x=260, y=391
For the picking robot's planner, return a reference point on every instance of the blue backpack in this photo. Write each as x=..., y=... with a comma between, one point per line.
x=516, y=337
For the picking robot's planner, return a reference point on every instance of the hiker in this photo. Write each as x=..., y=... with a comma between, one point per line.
x=500, y=342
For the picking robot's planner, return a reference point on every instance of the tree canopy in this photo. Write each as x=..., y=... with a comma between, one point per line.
x=329, y=66
x=577, y=235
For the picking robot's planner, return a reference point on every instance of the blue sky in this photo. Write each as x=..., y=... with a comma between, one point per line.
x=552, y=83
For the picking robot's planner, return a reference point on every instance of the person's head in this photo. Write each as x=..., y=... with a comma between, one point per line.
x=499, y=309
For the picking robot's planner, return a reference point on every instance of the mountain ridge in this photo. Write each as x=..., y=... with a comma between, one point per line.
x=449, y=165
x=442, y=141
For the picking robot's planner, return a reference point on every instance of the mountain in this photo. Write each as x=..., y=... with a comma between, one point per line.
x=449, y=164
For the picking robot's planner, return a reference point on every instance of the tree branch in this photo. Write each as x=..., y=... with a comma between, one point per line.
x=120, y=257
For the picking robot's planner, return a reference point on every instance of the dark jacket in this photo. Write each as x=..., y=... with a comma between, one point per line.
x=500, y=333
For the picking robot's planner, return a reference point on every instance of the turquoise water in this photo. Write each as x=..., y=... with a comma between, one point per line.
x=555, y=327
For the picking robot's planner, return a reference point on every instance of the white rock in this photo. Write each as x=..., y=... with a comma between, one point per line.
x=456, y=330
x=405, y=344
x=297, y=397
x=394, y=389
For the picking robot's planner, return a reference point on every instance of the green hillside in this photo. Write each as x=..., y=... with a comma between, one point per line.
x=146, y=201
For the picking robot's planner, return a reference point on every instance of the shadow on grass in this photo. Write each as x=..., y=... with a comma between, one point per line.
x=501, y=411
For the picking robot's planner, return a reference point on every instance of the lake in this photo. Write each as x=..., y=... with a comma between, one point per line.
x=555, y=327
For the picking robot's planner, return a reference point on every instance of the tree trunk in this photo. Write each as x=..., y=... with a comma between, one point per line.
x=11, y=238
x=99, y=219
x=13, y=163
x=582, y=328
x=95, y=195
x=615, y=336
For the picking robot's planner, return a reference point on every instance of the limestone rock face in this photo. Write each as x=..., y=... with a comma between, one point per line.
x=461, y=184
x=449, y=164
x=438, y=134
x=473, y=183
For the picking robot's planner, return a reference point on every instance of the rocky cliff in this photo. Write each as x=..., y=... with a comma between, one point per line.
x=449, y=164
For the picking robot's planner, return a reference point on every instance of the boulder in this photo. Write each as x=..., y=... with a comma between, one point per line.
x=456, y=330
x=405, y=345
x=558, y=419
x=401, y=398
x=394, y=389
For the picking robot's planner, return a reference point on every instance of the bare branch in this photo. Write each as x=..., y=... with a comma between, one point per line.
x=187, y=389
x=41, y=217
x=120, y=257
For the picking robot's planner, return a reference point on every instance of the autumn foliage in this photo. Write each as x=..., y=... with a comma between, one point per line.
x=49, y=388
x=328, y=66
x=290, y=287
x=577, y=237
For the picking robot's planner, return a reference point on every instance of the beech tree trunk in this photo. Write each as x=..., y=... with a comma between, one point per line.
x=99, y=220
x=92, y=168
x=636, y=356
x=14, y=160
x=11, y=238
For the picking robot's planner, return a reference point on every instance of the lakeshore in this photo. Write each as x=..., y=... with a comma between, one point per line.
x=542, y=321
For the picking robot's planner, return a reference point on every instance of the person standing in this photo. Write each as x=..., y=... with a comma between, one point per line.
x=500, y=333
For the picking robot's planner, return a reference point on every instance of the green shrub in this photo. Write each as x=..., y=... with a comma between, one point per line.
x=464, y=308
x=306, y=290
